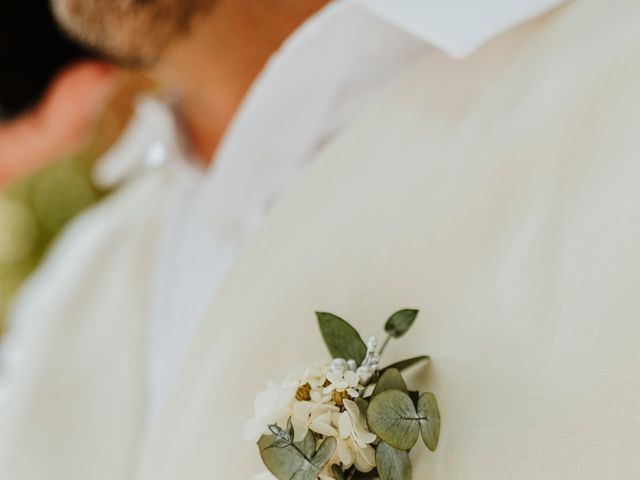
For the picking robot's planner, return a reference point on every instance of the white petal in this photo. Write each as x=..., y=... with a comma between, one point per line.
x=344, y=425
x=344, y=454
x=323, y=429
x=300, y=428
x=352, y=409
x=341, y=386
x=365, y=436
x=302, y=410
x=350, y=377
x=322, y=425
x=365, y=459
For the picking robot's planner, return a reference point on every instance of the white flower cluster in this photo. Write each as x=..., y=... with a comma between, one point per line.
x=320, y=400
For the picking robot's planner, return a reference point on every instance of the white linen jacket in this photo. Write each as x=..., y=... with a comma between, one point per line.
x=497, y=194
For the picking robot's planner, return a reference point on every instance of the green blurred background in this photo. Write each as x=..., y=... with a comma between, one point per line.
x=35, y=210
x=32, y=214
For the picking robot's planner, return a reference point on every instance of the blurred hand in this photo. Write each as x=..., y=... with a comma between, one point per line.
x=60, y=124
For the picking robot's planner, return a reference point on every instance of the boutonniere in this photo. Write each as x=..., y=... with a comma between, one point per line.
x=346, y=418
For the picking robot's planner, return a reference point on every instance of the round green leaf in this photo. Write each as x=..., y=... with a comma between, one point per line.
x=393, y=417
x=307, y=472
x=391, y=379
x=363, y=405
x=343, y=341
x=392, y=464
x=400, y=322
x=429, y=420
x=283, y=462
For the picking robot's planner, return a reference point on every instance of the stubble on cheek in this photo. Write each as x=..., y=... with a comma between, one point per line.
x=130, y=32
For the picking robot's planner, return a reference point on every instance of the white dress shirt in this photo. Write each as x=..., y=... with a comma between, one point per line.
x=326, y=73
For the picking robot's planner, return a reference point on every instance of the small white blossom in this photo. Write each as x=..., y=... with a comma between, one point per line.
x=318, y=414
x=354, y=439
x=343, y=381
x=316, y=375
x=273, y=405
x=310, y=416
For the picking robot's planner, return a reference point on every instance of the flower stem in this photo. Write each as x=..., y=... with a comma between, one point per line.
x=384, y=345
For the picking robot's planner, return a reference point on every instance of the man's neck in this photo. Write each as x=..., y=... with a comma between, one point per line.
x=212, y=68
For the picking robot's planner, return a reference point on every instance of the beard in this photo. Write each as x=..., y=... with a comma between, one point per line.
x=133, y=33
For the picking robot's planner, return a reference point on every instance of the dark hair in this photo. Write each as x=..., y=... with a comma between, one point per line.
x=32, y=51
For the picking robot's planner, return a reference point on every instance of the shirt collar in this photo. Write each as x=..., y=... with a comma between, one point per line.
x=458, y=27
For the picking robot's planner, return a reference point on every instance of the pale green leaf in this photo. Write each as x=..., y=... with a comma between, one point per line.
x=363, y=405
x=429, y=420
x=393, y=417
x=283, y=462
x=400, y=322
x=325, y=452
x=307, y=445
x=392, y=464
x=308, y=471
x=404, y=364
x=343, y=341
x=391, y=379
x=308, y=468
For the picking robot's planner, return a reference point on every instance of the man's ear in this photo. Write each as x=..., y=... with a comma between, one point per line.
x=75, y=99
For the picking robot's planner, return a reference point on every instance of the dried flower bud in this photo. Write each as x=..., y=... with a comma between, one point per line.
x=340, y=397
x=339, y=364
x=303, y=393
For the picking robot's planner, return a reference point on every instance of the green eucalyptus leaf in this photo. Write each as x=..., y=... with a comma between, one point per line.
x=391, y=379
x=310, y=469
x=400, y=322
x=337, y=472
x=307, y=445
x=393, y=417
x=290, y=430
x=429, y=420
x=343, y=341
x=392, y=464
x=363, y=405
x=404, y=364
x=325, y=452
x=284, y=462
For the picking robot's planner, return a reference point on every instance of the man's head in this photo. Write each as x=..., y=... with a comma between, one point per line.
x=132, y=32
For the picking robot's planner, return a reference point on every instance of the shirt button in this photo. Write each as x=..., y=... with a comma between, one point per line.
x=157, y=155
